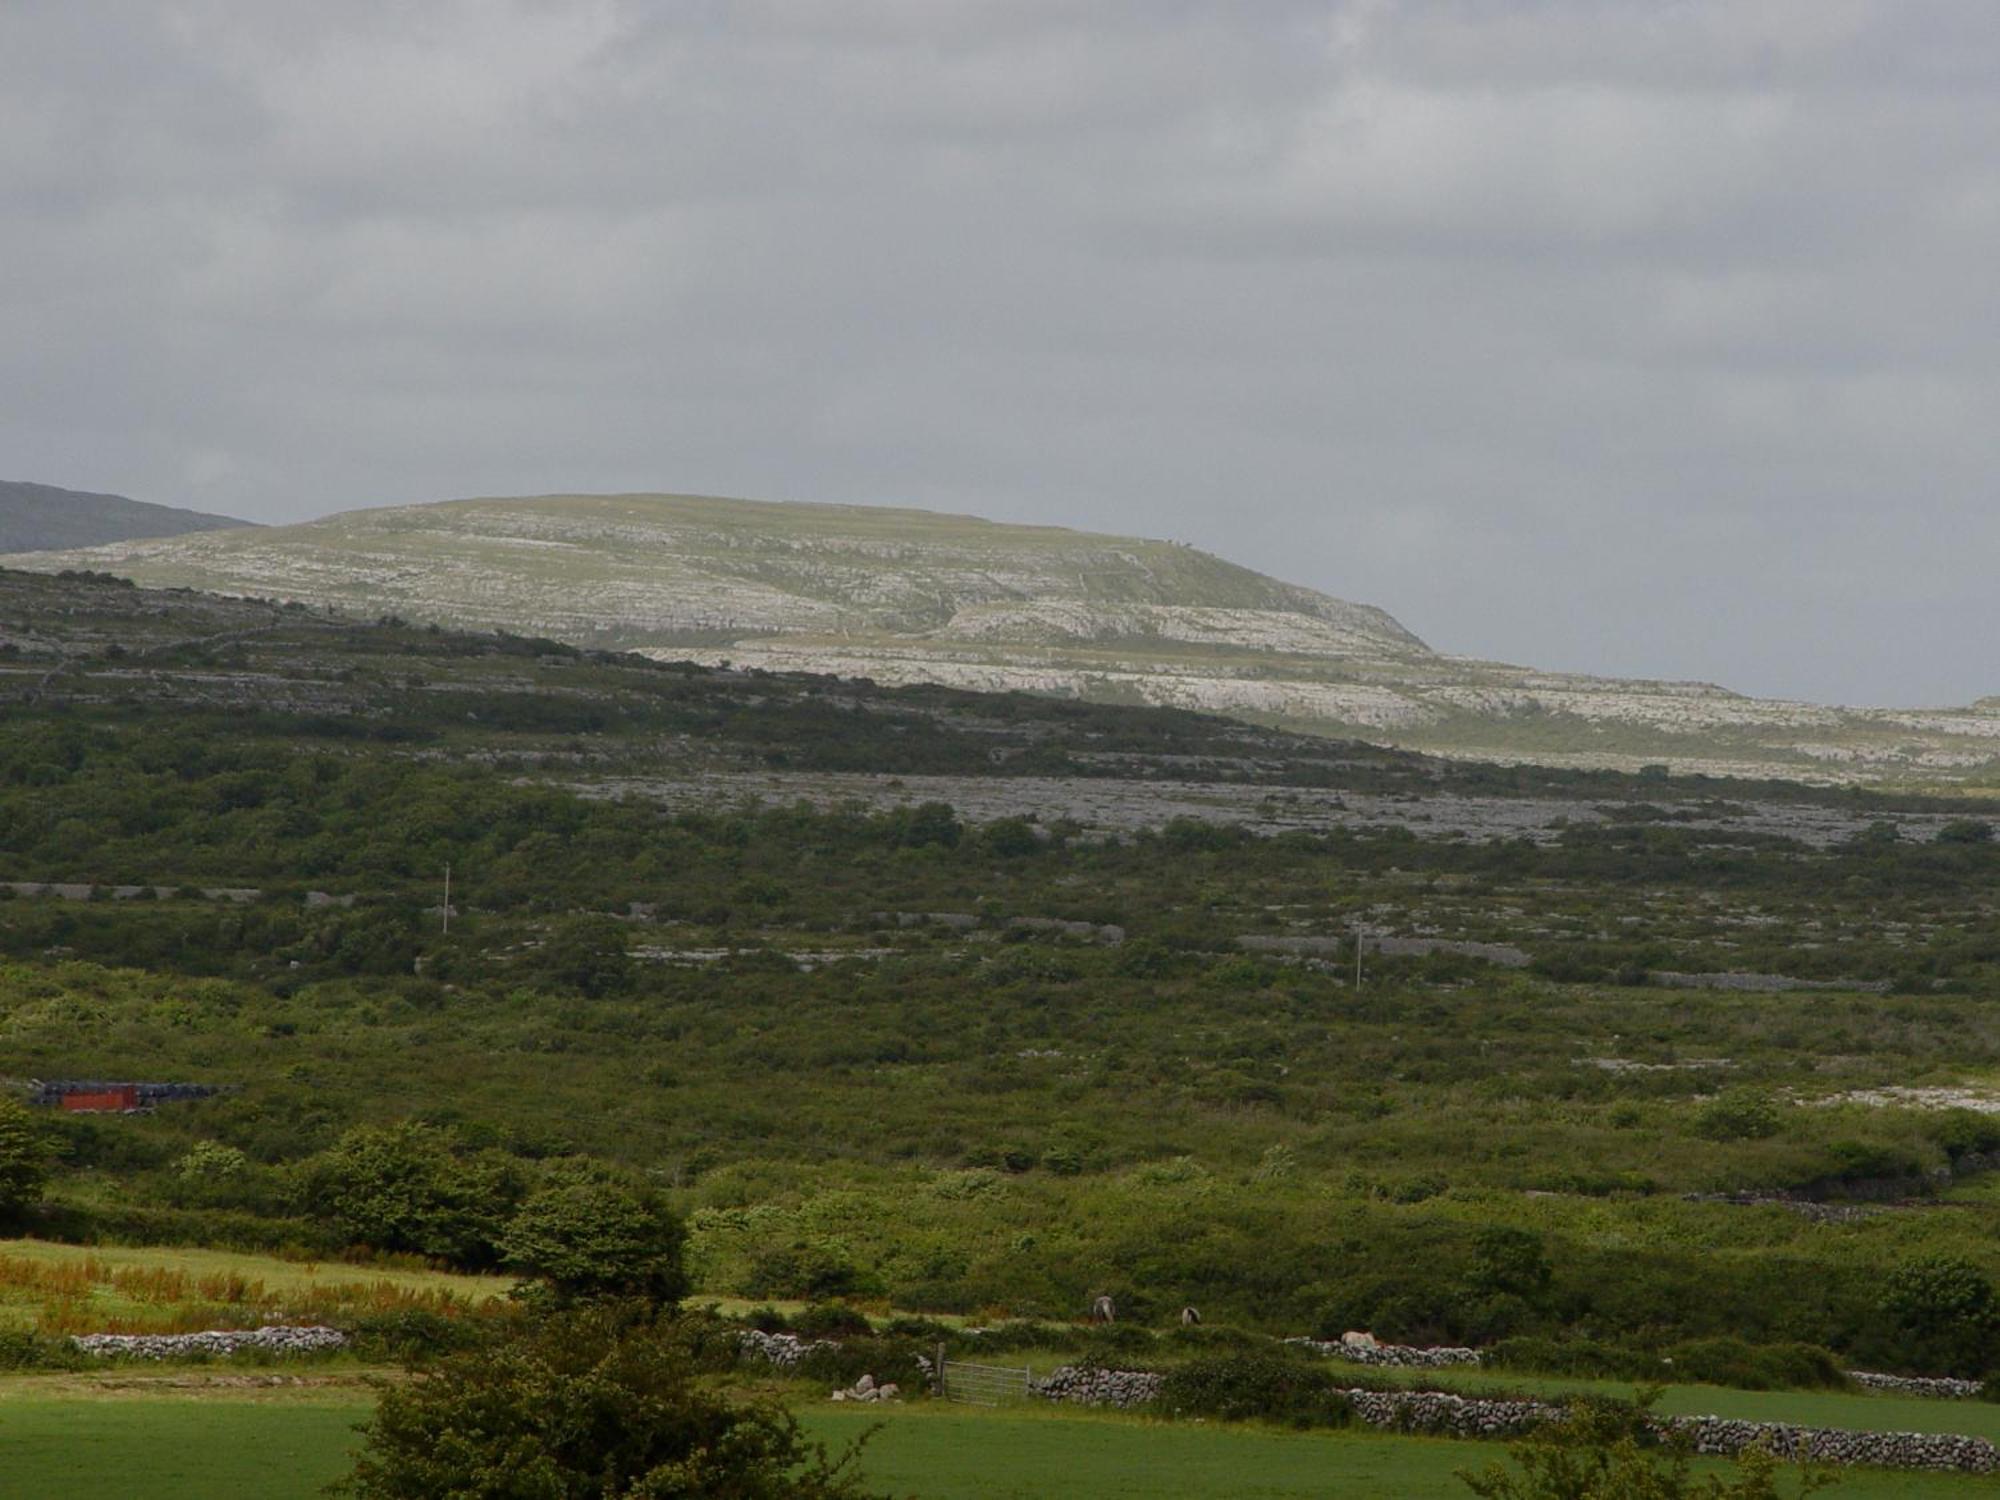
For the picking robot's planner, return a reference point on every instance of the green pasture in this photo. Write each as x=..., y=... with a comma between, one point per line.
x=104, y=1443
x=955, y=1454
x=109, y=1445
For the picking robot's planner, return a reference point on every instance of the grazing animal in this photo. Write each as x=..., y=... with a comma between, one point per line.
x=1102, y=1311
x=1359, y=1340
x=1190, y=1316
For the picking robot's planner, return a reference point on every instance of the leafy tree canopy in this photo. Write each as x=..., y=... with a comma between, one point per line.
x=588, y=1235
x=24, y=1160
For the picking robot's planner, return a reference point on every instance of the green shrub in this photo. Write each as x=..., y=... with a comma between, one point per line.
x=1946, y=1308
x=832, y=1320
x=1755, y=1367
x=25, y=1153
x=1265, y=1387
x=587, y=1406
x=24, y=1349
x=412, y=1335
x=403, y=1188
x=813, y=1269
x=1582, y=1359
x=1737, y=1115
x=584, y=1234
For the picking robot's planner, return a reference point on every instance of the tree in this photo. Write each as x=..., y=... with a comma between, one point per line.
x=588, y=1236
x=1510, y=1261
x=1738, y=1115
x=24, y=1160
x=586, y=1406
x=1966, y=831
x=1599, y=1453
x=1947, y=1308
x=931, y=823
x=591, y=955
x=402, y=1188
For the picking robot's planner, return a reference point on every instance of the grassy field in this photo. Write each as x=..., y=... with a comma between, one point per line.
x=193, y=1440
x=106, y=1443
x=102, y=1288
x=953, y=1454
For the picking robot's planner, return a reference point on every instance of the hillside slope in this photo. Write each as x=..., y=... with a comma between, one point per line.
x=39, y=517
x=904, y=596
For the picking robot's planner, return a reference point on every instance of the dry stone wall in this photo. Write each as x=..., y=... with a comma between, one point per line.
x=218, y=1342
x=783, y=1350
x=1723, y=1436
x=1447, y=1415
x=1937, y=1386
x=1398, y=1356
x=1090, y=1387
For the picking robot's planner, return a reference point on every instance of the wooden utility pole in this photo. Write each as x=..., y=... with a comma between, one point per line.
x=447, y=898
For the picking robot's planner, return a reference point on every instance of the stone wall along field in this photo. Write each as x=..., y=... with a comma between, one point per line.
x=1398, y=1356
x=218, y=1342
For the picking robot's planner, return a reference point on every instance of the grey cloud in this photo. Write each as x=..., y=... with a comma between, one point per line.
x=1602, y=334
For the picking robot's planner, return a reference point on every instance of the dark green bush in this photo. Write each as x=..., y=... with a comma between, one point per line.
x=1755, y=1367
x=412, y=1335
x=23, y=1349
x=1714, y=1361
x=1264, y=1387
x=832, y=1320
x=1582, y=1359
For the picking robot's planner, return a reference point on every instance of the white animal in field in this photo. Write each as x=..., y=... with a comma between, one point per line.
x=1355, y=1340
x=1102, y=1311
x=1190, y=1317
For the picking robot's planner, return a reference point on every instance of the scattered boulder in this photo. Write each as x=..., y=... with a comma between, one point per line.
x=865, y=1389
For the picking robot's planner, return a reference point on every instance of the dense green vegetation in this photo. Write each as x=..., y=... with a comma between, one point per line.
x=843, y=1041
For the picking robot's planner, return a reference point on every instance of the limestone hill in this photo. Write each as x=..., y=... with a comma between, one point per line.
x=914, y=596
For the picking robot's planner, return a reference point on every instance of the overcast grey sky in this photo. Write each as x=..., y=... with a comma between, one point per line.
x=1649, y=337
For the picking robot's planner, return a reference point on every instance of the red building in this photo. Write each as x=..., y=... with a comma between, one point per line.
x=114, y=1099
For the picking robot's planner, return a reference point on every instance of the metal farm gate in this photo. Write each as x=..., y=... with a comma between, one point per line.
x=982, y=1385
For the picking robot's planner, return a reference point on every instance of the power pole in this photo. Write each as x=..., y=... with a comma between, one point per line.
x=1357, y=955
x=447, y=897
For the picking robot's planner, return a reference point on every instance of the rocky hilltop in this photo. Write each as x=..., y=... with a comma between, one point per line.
x=914, y=596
